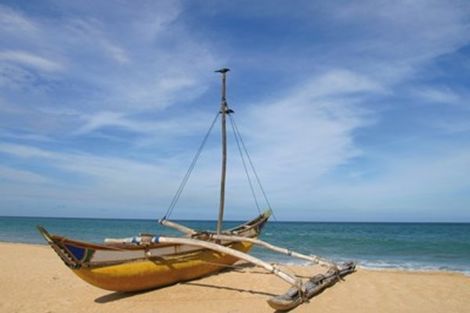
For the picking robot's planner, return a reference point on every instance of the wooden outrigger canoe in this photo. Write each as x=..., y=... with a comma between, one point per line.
x=144, y=262
x=148, y=261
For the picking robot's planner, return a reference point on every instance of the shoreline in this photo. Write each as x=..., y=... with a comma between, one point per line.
x=34, y=279
x=413, y=270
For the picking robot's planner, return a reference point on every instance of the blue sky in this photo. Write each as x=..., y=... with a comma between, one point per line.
x=351, y=110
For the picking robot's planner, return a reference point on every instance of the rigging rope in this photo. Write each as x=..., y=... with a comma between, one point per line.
x=242, y=150
x=252, y=166
x=236, y=135
x=176, y=197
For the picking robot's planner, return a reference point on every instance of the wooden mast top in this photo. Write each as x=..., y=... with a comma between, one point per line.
x=223, y=111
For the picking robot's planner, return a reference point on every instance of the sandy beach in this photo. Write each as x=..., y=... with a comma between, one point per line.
x=33, y=279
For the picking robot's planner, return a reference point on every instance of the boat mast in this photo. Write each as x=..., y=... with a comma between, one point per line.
x=224, y=110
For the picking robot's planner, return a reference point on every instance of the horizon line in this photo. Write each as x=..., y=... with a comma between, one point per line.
x=234, y=220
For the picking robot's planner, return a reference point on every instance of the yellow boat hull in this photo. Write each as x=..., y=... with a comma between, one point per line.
x=153, y=273
x=136, y=265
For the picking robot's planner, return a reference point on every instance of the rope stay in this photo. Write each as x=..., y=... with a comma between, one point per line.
x=244, y=155
x=236, y=135
x=185, y=180
x=235, y=127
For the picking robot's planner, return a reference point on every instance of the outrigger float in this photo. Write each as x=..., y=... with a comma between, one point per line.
x=148, y=261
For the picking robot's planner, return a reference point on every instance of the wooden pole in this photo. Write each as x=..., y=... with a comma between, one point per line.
x=311, y=258
x=223, y=112
x=314, y=259
x=179, y=227
x=292, y=280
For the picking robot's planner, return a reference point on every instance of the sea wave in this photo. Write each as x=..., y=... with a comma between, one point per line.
x=378, y=265
x=410, y=267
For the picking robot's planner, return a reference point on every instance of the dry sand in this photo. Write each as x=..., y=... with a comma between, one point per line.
x=34, y=279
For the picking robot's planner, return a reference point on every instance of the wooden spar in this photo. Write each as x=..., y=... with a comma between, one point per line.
x=223, y=112
x=184, y=229
x=240, y=255
x=269, y=246
x=310, y=258
x=179, y=227
x=312, y=287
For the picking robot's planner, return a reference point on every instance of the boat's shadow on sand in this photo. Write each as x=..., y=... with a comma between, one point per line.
x=230, y=288
x=115, y=296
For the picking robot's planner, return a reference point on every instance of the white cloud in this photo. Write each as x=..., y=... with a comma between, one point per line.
x=24, y=151
x=92, y=33
x=11, y=135
x=452, y=126
x=21, y=176
x=31, y=60
x=337, y=82
x=14, y=76
x=13, y=21
x=128, y=58
x=436, y=94
x=310, y=130
x=422, y=188
x=150, y=131
x=103, y=181
x=407, y=31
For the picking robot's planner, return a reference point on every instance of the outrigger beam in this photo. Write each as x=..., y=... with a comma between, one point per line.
x=292, y=280
x=310, y=258
x=267, y=245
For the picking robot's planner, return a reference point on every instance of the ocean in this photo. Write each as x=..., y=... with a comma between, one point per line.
x=406, y=246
